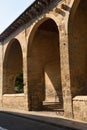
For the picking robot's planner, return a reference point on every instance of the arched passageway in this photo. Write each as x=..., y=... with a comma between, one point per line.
x=44, y=78
x=12, y=66
x=78, y=48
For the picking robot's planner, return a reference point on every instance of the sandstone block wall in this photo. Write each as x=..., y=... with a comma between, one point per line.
x=14, y=101
x=80, y=108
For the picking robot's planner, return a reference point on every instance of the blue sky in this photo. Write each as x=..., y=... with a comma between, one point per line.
x=10, y=10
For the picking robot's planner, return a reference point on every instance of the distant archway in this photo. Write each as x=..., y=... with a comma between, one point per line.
x=13, y=64
x=44, y=76
x=78, y=47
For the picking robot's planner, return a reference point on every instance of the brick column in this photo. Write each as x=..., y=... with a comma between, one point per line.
x=65, y=72
x=1, y=73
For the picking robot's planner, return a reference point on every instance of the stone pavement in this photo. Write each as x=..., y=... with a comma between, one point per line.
x=49, y=117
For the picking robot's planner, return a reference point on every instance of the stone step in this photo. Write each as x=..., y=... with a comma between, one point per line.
x=52, y=106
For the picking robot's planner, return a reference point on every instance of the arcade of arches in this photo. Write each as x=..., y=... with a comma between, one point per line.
x=53, y=60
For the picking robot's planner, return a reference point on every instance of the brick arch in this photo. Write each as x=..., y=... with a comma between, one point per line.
x=13, y=63
x=77, y=47
x=44, y=76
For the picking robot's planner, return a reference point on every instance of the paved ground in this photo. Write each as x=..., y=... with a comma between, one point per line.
x=43, y=118
x=13, y=122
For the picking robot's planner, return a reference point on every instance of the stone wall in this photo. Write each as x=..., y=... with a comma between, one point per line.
x=47, y=71
x=80, y=108
x=14, y=101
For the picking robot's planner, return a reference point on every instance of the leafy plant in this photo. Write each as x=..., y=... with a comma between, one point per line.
x=19, y=82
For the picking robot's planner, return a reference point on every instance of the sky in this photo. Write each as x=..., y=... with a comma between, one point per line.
x=10, y=10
